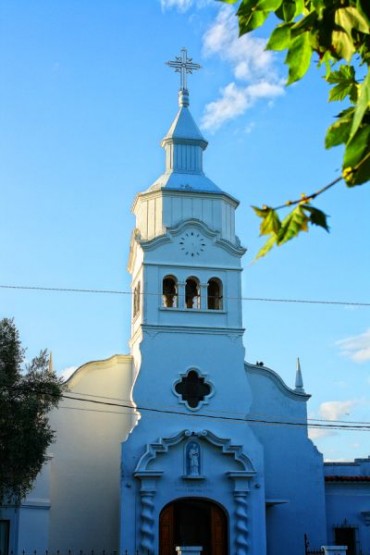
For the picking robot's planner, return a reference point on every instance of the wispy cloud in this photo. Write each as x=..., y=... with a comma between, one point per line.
x=319, y=433
x=253, y=68
x=357, y=347
x=335, y=410
x=183, y=5
x=67, y=372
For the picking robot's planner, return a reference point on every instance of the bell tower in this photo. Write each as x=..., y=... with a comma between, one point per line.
x=185, y=256
x=190, y=385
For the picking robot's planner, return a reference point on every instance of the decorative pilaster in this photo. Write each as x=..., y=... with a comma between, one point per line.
x=241, y=523
x=147, y=493
x=241, y=491
x=147, y=521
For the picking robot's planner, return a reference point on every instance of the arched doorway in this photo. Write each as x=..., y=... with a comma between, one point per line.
x=193, y=521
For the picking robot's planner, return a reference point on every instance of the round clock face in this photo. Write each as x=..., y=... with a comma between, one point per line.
x=192, y=243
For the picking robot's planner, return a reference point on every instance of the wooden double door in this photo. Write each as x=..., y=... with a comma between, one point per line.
x=193, y=521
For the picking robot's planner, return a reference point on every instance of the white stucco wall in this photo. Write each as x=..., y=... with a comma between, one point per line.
x=85, y=470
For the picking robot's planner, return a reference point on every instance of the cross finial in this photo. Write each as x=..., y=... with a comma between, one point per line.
x=183, y=65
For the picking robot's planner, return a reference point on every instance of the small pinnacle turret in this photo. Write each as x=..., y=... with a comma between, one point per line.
x=298, y=379
x=51, y=364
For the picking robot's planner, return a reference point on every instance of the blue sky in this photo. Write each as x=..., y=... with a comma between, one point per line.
x=85, y=99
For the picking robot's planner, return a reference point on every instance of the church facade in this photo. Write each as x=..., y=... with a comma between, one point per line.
x=182, y=443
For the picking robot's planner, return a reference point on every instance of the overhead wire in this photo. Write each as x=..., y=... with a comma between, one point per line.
x=311, y=423
x=240, y=298
x=126, y=402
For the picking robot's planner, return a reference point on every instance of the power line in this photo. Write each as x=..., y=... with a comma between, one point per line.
x=126, y=403
x=248, y=299
x=311, y=423
x=65, y=289
x=336, y=425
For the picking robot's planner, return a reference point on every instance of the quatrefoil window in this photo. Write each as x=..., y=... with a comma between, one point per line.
x=193, y=389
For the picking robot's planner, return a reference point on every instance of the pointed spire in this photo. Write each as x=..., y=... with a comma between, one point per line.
x=51, y=364
x=184, y=143
x=298, y=378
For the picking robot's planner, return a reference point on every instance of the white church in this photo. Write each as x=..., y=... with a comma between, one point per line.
x=182, y=447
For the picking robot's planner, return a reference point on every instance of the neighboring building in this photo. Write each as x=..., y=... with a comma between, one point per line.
x=347, y=488
x=215, y=451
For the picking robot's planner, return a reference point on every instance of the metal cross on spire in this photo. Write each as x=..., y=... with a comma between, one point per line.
x=184, y=65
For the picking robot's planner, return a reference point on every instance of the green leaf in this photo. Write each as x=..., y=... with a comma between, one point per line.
x=346, y=84
x=246, y=7
x=305, y=24
x=356, y=162
x=261, y=212
x=269, y=5
x=340, y=91
x=228, y=1
x=317, y=217
x=295, y=222
x=343, y=46
x=250, y=17
x=347, y=20
x=344, y=73
x=266, y=247
x=338, y=132
x=350, y=18
x=287, y=10
x=270, y=220
x=280, y=37
x=299, y=7
x=363, y=104
x=270, y=224
x=299, y=57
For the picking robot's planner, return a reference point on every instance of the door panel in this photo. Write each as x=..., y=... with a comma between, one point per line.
x=193, y=521
x=166, y=541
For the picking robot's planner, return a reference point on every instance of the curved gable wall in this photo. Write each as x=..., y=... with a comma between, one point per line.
x=293, y=466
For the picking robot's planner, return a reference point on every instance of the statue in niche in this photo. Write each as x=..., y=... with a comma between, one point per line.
x=193, y=459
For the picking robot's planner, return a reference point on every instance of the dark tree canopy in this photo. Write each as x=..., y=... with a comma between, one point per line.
x=27, y=393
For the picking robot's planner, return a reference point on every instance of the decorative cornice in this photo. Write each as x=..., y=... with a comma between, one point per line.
x=274, y=377
x=162, y=192
x=152, y=328
x=164, y=444
x=174, y=231
x=180, y=265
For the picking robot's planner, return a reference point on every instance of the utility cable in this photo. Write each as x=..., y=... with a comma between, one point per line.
x=337, y=425
x=120, y=292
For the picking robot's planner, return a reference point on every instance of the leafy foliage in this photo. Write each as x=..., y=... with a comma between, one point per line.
x=336, y=31
x=282, y=231
x=26, y=397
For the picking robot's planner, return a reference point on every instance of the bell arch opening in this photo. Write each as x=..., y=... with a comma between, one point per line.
x=191, y=521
